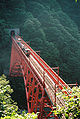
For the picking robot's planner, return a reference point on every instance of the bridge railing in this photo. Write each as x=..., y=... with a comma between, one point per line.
x=46, y=67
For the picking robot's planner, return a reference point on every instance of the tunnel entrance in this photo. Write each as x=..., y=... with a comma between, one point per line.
x=12, y=33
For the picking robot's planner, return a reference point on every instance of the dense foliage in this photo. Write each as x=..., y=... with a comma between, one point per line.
x=51, y=26
x=24, y=116
x=72, y=103
x=55, y=34
x=7, y=105
x=8, y=108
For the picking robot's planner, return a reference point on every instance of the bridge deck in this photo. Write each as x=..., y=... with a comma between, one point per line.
x=45, y=73
x=41, y=81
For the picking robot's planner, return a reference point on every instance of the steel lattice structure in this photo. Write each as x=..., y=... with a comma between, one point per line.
x=40, y=80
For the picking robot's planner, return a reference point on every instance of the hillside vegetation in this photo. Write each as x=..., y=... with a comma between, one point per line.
x=9, y=108
x=51, y=26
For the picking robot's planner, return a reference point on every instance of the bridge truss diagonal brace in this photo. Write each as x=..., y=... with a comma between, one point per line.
x=37, y=98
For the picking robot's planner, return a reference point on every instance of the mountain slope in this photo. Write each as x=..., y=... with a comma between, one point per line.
x=51, y=26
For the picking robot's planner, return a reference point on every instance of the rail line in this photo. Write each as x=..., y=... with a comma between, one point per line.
x=51, y=78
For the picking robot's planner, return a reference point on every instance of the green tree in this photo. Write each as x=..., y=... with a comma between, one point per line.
x=7, y=105
x=72, y=103
x=75, y=0
x=8, y=108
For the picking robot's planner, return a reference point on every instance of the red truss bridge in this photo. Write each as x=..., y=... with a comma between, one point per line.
x=39, y=78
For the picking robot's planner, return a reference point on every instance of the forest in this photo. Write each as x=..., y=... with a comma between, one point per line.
x=51, y=26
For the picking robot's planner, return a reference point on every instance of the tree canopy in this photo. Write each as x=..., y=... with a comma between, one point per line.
x=9, y=108
x=51, y=26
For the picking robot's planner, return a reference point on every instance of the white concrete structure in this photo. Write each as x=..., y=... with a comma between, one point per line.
x=15, y=30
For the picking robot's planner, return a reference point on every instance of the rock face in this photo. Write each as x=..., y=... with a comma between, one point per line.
x=51, y=26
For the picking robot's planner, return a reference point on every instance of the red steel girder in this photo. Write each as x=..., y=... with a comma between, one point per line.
x=37, y=98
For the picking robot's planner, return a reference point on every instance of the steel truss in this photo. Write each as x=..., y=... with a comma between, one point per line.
x=37, y=97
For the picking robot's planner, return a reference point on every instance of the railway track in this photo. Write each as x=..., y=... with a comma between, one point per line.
x=46, y=75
